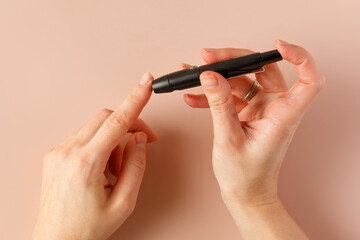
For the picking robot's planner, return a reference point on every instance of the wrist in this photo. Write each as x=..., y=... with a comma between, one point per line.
x=257, y=203
x=47, y=232
x=250, y=198
x=269, y=216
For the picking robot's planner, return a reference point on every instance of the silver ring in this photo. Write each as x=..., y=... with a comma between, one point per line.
x=252, y=92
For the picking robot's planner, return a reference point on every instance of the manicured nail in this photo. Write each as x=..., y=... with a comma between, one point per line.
x=141, y=138
x=209, y=82
x=282, y=42
x=208, y=50
x=145, y=78
x=184, y=66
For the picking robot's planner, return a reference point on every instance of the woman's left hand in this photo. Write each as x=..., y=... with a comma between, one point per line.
x=77, y=199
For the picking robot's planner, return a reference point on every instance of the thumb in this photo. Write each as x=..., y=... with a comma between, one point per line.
x=221, y=102
x=128, y=183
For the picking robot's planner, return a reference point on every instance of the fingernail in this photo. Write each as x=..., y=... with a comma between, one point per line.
x=156, y=136
x=209, y=82
x=282, y=42
x=207, y=50
x=145, y=78
x=141, y=138
x=184, y=66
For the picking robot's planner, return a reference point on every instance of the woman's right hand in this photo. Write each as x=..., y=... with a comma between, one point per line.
x=78, y=200
x=251, y=138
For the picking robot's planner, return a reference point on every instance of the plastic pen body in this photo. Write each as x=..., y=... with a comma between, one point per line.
x=188, y=78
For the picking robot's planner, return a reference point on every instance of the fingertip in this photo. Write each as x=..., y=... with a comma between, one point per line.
x=282, y=47
x=186, y=96
x=294, y=54
x=207, y=50
x=153, y=137
x=144, y=88
x=208, y=55
x=151, y=79
x=146, y=78
x=150, y=75
x=141, y=138
x=183, y=66
x=282, y=43
x=207, y=74
x=188, y=99
x=210, y=80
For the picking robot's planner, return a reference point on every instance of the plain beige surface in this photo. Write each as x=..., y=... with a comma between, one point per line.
x=62, y=61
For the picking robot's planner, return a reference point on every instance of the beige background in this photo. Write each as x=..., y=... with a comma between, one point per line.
x=62, y=61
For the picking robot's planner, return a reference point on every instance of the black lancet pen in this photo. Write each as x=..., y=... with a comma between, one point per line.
x=188, y=78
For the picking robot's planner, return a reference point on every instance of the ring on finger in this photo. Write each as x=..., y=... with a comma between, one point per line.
x=255, y=88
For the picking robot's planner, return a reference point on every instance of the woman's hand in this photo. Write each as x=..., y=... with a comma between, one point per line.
x=251, y=138
x=77, y=199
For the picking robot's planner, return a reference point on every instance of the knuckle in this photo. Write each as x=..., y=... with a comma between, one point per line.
x=322, y=82
x=139, y=161
x=228, y=53
x=220, y=104
x=319, y=84
x=48, y=155
x=299, y=59
x=58, y=154
x=119, y=118
x=82, y=159
x=300, y=56
x=63, y=152
x=306, y=54
x=81, y=164
x=135, y=96
x=106, y=111
x=88, y=162
x=139, y=164
x=126, y=205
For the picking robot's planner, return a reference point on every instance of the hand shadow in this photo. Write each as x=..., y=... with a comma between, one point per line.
x=319, y=170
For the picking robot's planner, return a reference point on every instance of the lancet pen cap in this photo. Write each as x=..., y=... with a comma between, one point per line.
x=161, y=85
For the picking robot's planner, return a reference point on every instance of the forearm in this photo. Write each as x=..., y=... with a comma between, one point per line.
x=270, y=221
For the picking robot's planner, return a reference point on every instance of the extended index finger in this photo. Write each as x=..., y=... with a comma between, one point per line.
x=118, y=123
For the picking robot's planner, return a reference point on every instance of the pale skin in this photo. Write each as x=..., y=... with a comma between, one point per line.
x=250, y=142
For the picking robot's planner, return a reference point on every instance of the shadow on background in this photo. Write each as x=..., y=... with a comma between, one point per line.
x=315, y=177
